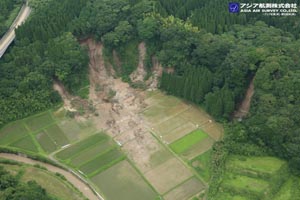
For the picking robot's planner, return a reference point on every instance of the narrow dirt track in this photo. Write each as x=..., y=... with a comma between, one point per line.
x=80, y=185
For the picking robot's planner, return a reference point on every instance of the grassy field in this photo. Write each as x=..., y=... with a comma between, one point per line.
x=256, y=177
x=54, y=185
x=127, y=183
x=26, y=143
x=42, y=133
x=12, y=132
x=267, y=165
x=56, y=134
x=80, y=146
x=245, y=183
x=46, y=142
x=186, y=142
x=38, y=122
x=89, y=154
x=102, y=162
x=185, y=190
x=202, y=165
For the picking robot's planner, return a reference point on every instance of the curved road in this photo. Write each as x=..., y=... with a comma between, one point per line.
x=78, y=183
x=10, y=35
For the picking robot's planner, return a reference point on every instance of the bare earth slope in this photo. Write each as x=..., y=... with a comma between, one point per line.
x=246, y=103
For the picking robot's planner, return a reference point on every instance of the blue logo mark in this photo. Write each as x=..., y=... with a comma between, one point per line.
x=234, y=7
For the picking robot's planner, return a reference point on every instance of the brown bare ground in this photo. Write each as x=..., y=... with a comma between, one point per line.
x=186, y=190
x=167, y=175
x=140, y=73
x=246, y=103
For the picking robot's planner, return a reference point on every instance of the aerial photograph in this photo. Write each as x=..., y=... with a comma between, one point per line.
x=149, y=100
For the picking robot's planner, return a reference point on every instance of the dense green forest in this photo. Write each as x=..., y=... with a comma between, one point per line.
x=214, y=55
x=11, y=188
x=42, y=53
x=213, y=17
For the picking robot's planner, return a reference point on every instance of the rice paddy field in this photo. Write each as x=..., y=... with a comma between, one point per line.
x=182, y=149
x=183, y=134
x=101, y=160
x=182, y=128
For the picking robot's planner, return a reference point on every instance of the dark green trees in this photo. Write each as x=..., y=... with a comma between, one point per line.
x=11, y=188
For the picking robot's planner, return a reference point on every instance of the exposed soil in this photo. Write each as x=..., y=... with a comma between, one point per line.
x=157, y=71
x=140, y=73
x=119, y=106
x=80, y=185
x=246, y=103
x=67, y=98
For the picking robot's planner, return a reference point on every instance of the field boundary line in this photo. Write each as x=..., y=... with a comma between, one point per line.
x=183, y=182
x=175, y=115
x=35, y=142
x=46, y=132
x=179, y=158
x=142, y=175
x=75, y=142
x=73, y=156
x=106, y=167
x=98, y=155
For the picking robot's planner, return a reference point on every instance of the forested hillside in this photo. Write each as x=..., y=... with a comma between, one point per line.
x=213, y=57
x=213, y=17
x=44, y=51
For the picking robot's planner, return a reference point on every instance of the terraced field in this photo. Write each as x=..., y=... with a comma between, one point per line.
x=257, y=178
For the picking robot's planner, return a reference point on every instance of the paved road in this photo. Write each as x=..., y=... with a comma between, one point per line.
x=10, y=35
x=78, y=183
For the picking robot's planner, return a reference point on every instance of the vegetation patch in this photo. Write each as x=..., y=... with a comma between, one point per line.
x=239, y=184
x=53, y=184
x=38, y=122
x=57, y=135
x=102, y=162
x=123, y=182
x=179, y=132
x=90, y=153
x=12, y=132
x=188, y=141
x=167, y=126
x=46, y=142
x=268, y=165
x=80, y=146
x=26, y=144
x=185, y=190
x=202, y=165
